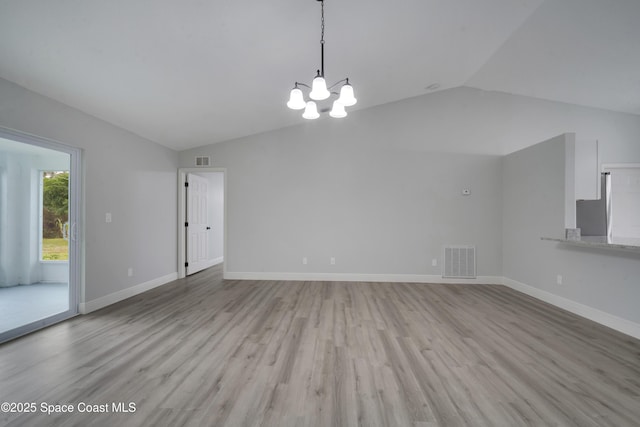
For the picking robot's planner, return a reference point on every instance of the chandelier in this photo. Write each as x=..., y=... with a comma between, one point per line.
x=319, y=90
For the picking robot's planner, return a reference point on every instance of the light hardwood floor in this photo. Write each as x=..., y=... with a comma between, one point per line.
x=203, y=351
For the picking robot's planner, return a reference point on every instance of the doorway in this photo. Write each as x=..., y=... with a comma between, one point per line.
x=39, y=237
x=201, y=219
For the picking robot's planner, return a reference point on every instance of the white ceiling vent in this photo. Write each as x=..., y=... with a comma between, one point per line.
x=203, y=161
x=459, y=262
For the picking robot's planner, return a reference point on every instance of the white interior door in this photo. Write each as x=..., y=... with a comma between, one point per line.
x=197, y=227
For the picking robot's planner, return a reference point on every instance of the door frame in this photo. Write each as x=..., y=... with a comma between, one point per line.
x=76, y=233
x=182, y=205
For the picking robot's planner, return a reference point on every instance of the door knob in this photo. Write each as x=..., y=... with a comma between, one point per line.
x=208, y=228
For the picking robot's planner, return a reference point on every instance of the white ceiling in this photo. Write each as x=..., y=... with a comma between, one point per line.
x=186, y=73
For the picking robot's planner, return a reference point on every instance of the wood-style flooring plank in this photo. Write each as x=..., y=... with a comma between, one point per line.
x=204, y=351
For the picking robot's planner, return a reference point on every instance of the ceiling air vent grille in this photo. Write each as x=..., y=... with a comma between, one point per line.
x=203, y=161
x=459, y=262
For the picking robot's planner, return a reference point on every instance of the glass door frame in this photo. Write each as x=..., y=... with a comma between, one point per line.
x=76, y=229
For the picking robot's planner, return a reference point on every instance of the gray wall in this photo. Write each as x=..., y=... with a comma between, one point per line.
x=133, y=178
x=472, y=121
x=533, y=201
x=533, y=207
x=376, y=211
x=344, y=189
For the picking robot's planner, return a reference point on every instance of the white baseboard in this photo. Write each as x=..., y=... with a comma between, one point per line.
x=349, y=277
x=115, y=297
x=217, y=261
x=614, y=322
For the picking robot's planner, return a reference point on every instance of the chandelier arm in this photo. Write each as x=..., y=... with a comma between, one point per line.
x=338, y=82
x=303, y=84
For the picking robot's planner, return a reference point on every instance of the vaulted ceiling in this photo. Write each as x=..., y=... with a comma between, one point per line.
x=193, y=72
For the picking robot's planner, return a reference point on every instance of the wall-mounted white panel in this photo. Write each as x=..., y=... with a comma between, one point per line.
x=587, y=170
x=625, y=202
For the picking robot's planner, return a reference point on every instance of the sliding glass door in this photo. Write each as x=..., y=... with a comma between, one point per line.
x=39, y=207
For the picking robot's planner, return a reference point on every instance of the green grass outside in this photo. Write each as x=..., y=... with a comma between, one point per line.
x=55, y=250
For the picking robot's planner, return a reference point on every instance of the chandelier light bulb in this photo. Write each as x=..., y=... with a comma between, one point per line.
x=319, y=89
x=338, y=111
x=346, y=95
x=311, y=111
x=296, y=100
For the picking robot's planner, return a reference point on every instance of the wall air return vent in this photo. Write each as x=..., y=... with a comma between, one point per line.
x=203, y=161
x=459, y=262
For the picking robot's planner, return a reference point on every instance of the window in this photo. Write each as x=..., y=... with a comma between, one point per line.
x=55, y=216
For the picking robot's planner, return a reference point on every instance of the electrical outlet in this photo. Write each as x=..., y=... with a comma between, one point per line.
x=332, y=261
x=130, y=272
x=434, y=262
x=559, y=279
x=107, y=217
x=304, y=260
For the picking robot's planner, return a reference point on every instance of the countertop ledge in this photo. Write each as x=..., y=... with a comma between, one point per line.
x=601, y=242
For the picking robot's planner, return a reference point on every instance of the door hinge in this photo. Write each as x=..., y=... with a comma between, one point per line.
x=186, y=224
x=186, y=264
x=186, y=184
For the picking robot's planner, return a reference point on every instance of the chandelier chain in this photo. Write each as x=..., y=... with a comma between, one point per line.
x=322, y=22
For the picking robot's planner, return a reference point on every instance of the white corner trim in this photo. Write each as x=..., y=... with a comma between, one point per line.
x=96, y=304
x=614, y=322
x=350, y=277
